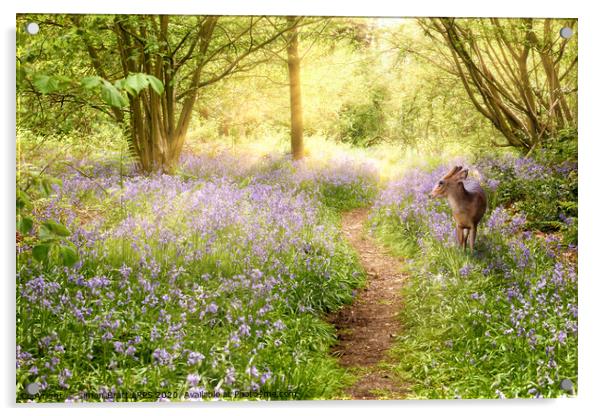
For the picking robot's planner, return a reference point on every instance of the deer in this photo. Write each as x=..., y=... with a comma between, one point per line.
x=467, y=201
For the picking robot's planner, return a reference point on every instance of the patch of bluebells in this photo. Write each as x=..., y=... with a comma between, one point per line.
x=520, y=286
x=198, y=273
x=523, y=168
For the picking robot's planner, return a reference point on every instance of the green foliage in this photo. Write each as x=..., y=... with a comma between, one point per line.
x=47, y=84
x=134, y=83
x=49, y=229
x=346, y=197
x=155, y=84
x=51, y=243
x=542, y=200
x=362, y=124
x=24, y=225
x=112, y=96
x=560, y=148
x=40, y=252
x=22, y=200
x=91, y=82
x=548, y=198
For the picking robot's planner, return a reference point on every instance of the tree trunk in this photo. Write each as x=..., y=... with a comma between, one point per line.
x=294, y=74
x=151, y=142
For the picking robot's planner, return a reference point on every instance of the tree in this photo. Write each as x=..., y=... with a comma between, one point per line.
x=294, y=74
x=313, y=32
x=518, y=73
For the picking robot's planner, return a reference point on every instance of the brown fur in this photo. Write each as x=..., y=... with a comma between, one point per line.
x=468, y=207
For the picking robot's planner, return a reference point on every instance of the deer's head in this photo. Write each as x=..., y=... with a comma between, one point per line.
x=450, y=182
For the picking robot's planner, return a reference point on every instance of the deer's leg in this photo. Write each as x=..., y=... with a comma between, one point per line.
x=460, y=235
x=473, y=236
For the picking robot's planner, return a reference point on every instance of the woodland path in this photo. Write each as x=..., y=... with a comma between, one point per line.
x=366, y=329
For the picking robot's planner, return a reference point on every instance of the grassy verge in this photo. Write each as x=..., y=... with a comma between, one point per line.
x=499, y=323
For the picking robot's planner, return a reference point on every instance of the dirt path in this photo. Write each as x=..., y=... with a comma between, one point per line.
x=366, y=329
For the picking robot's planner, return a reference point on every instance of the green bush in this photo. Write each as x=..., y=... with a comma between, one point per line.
x=542, y=188
x=363, y=124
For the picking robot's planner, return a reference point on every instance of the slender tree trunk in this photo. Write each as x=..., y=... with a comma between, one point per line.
x=294, y=74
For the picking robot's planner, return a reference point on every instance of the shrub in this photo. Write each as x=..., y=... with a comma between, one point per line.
x=546, y=194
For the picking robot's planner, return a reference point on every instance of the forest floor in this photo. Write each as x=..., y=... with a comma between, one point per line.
x=366, y=329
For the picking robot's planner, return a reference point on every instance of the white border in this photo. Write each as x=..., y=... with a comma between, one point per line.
x=590, y=92
x=506, y=8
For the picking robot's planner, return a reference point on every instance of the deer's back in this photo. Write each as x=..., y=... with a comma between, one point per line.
x=470, y=207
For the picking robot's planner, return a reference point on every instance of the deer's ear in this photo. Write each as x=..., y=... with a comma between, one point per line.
x=452, y=172
x=462, y=175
